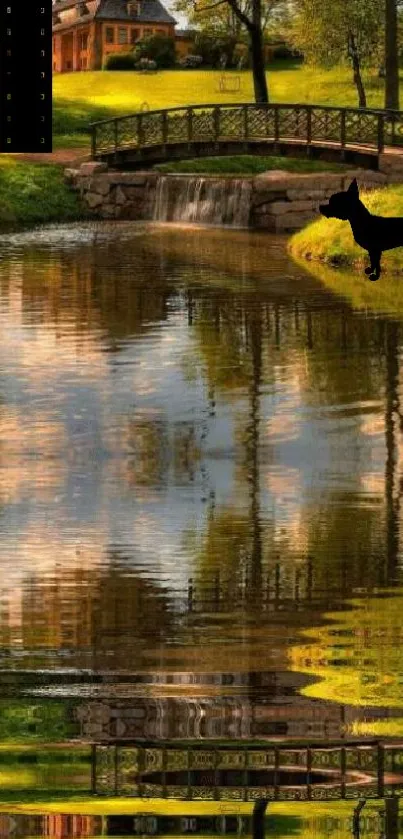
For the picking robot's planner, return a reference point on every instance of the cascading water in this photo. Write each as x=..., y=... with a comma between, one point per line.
x=216, y=201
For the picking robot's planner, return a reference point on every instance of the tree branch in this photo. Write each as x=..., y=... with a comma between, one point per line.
x=240, y=14
x=208, y=8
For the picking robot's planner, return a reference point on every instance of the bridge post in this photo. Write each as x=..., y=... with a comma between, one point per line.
x=164, y=127
x=189, y=112
x=140, y=131
x=343, y=133
x=115, y=134
x=308, y=130
x=216, y=118
x=381, y=770
x=276, y=126
x=245, y=121
x=381, y=133
x=93, y=141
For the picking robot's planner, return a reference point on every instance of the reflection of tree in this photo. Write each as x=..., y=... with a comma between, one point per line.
x=357, y=656
x=392, y=409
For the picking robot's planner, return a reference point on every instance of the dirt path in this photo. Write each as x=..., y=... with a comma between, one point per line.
x=63, y=157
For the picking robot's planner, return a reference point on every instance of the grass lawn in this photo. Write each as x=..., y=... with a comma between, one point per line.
x=31, y=193
x=79, y=98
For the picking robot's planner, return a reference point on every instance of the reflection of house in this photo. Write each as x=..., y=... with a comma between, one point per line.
x=84, y=33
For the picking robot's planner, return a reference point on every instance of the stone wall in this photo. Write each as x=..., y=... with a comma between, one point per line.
x=279, y=201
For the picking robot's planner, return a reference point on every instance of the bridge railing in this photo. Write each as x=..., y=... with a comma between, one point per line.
x=272, y=122
x=276, y=771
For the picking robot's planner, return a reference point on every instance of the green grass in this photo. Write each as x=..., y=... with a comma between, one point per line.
x=331, y=240
x=32, y=193
x=244, y=164
x=79, y=98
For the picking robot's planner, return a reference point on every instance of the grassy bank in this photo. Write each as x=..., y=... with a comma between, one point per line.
x=34, y=193
x=244, y=164
x=331, y=240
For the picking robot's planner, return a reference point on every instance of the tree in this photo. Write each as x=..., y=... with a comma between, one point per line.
x=159, y=48
x=391, y=56
x=235, y=17
x=333, y=31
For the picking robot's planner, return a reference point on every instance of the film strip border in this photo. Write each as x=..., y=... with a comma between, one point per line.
x=25, y=76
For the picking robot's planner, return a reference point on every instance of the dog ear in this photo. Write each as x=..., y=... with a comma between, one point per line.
x=353, y=188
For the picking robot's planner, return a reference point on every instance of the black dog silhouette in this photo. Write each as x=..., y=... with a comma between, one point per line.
x=374, y=233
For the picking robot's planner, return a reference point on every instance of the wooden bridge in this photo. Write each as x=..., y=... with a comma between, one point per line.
x=352, y=135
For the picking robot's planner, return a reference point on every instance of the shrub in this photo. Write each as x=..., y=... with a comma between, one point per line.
x=191, y=61
x=145, y=64
x=213, y=47
x=158, y=48
x=283, y=51
x=119, y=61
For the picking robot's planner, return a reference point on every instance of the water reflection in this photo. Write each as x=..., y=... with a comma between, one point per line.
x=199, y=460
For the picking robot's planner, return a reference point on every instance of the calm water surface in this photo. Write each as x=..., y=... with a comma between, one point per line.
x=199, y=506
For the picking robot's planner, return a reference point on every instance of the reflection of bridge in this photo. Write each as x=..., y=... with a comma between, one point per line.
x=356, y=135
x=272, y=771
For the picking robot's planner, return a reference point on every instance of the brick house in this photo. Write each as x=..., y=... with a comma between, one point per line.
x=86, y=31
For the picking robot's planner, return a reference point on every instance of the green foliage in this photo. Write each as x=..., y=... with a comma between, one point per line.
x=119, y=61
x=320, y=30
x=158, y=48
x=212, y=47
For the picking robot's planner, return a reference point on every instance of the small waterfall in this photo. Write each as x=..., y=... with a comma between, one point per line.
x=216, y=201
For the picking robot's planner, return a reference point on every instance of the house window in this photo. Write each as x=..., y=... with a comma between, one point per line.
x=134, y=35
x=122, y=35
x=110, y=35
x=160, y=32
x=83, y=41
x=147, y=32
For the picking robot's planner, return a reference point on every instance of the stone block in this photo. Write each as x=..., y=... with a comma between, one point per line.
x=93, y=199
x=135, y=193
x=258, y=198
x=132, y=178
x=298, y=206
x=120, y=197
x=70, y=175
x=108, y=211
x=91, y=167
x=277, y=208
x=265, y=223
x=293, y=221
x=101, y=184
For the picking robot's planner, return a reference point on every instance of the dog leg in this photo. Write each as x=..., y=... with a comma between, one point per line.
x=374, y=271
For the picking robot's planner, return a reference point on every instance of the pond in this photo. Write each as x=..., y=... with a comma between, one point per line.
x=200, y=492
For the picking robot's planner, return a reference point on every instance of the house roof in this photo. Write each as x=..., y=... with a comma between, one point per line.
x=151, y=11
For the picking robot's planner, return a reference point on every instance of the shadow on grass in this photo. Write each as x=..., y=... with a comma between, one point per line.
x=74, y=117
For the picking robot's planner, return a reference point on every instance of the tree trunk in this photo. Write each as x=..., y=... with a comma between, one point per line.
x=353, y=53
x=258, y=68
x=391, y=56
